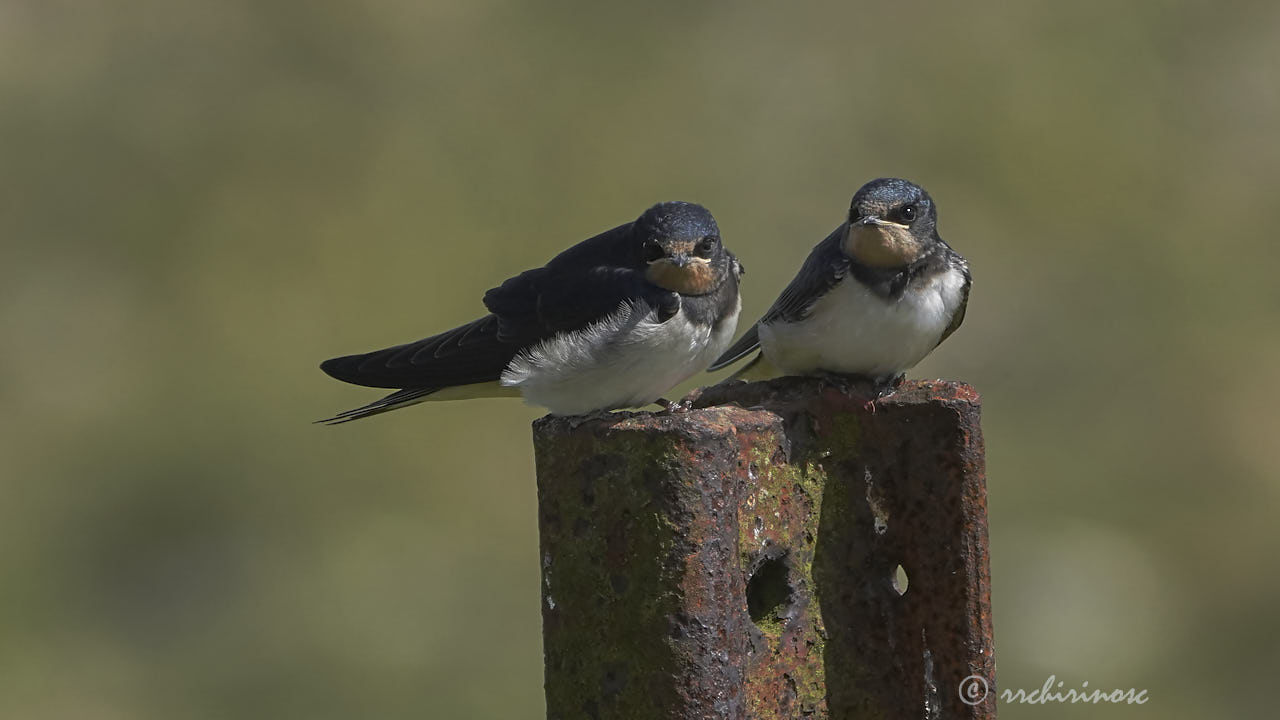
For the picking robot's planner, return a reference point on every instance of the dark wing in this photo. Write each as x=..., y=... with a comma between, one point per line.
x=468, y=354
x=964, y=300
x=580, y=286
x=744, y=347
x=821, y=271
x=573, y=291
x=537, y=304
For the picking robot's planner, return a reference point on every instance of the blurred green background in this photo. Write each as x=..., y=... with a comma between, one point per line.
x=200, y=201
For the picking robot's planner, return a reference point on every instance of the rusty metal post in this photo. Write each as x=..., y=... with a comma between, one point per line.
x=741, y=563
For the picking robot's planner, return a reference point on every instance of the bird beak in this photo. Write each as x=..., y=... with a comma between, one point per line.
x=680, y=260
x=870, y=221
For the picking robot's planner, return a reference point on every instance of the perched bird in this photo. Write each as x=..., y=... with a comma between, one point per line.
x=872, y=300
x=614, y=321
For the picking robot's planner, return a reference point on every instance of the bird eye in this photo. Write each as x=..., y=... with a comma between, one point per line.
x=652, y=251
x=908, y=213
x=706, y=245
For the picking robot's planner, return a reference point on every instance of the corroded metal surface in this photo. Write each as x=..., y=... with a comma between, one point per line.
x=644, y=611
x=740, y=563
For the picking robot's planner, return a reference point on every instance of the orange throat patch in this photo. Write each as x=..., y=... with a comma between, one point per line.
x=882, y=246
x=696, y=278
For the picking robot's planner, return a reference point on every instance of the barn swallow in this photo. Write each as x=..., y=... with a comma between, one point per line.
x=872, y=300
x=614, y=321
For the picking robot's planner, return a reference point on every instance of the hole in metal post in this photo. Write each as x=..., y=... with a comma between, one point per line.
x=900, y=580
x=768, y=590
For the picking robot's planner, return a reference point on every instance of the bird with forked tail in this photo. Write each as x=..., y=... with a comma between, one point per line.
x=872, y=299
x=614, y=321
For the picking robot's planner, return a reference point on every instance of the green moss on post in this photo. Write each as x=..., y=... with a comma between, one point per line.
x=731, y=563
x=643, y=602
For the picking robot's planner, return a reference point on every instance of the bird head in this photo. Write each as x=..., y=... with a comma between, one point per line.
x=892, y=223
x=680, y=248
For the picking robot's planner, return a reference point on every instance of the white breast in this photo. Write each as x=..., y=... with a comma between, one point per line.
x=853, y=330
x=626, y=360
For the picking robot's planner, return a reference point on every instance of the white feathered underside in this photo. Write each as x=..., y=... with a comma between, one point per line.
x=626, y=360
x=851, y=329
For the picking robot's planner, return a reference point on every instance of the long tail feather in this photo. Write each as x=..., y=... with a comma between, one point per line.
x=394, y=401
x=758, y=369
x=745, y=345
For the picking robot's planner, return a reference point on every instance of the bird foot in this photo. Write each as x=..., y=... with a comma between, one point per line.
x=869, y=390
x=883, y=388
x=680, y=406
